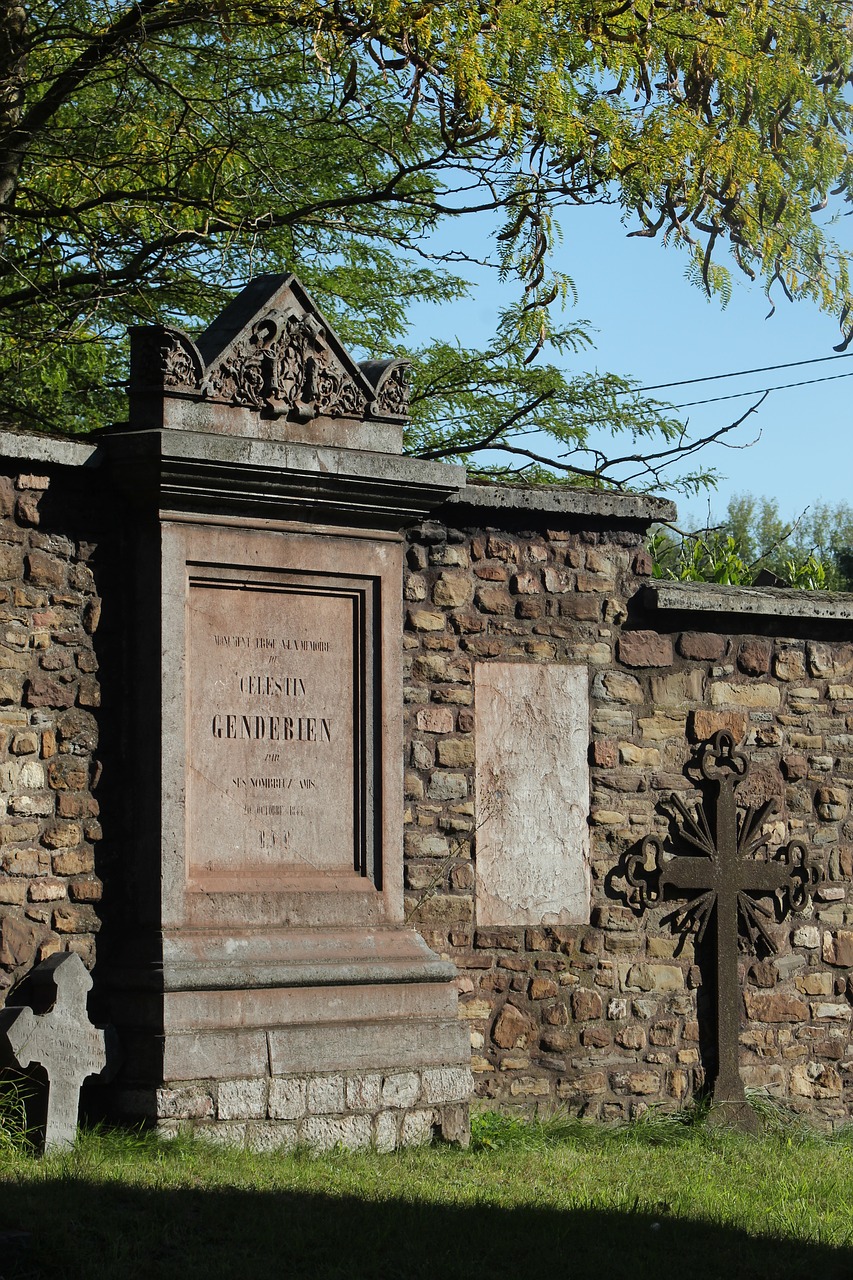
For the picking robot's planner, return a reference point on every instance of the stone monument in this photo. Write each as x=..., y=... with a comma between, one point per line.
x=268, y=982
x=63, y=1041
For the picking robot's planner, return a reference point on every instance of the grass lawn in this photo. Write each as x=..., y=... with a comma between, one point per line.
x=657, y=1199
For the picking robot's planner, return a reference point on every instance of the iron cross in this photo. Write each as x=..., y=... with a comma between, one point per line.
x=723, y=876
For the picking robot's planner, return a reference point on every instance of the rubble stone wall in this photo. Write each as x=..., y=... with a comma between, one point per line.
x=49, y=699
x=610, y=1017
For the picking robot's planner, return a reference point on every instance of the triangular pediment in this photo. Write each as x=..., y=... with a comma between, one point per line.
x=271, y=352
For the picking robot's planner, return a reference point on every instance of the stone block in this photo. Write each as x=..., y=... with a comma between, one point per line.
x=385, y=1131
x=73, y=862
x=231, y=1133
x=401, y=1089
x=288, y=1098
x=775, y=1008
x=838, y=948
x=815, y=1080
x=426, y=620
x=661, y=727
x=586, y=1005
x=512, y=1030
x=446, y=1084
x=269, y=1136
x=326, y=1095
x=807, y=935
x=645, y=649
x=241, y=1099
x=530, y=1087
x=542, y=989
x=434, y=720
x=445, y=785
x=655, y=977
x=754, y=657
x=496, y=600
x=755, y=697
x=452, y=590
x=75, y=918
x=790, y=665
x=456, y=753
x=324, y=1133
x=14, y=892
x=642, y=757
x=829, y=659
x=617, y=686
x=678, y=689
x=558, y=581
x=604, y=753
x=417, y=1128
x=364, y=1093
x=188, y=1103
x=701, y=646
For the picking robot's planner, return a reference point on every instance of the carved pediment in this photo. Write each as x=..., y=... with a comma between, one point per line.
x=272, y=351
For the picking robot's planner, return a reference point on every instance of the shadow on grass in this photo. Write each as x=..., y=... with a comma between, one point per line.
x=96, y=1230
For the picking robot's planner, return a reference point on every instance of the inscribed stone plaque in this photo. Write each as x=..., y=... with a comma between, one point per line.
x=532, y=793
x=273, y=728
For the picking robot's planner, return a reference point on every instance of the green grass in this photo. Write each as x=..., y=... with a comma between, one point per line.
x=662, y=1198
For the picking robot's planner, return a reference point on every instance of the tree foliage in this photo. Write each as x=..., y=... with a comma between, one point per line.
x=154, y=154
x=753, y=543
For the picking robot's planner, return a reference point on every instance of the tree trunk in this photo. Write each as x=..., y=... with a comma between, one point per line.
x=13, y=57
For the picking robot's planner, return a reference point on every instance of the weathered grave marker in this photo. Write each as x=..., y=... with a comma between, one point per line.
x=725, y=874
x=62, y=1041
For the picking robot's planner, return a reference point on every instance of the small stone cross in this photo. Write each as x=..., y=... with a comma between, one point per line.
x=725, y=875
x=62, y=1041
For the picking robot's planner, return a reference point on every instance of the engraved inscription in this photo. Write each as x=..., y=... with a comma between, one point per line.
x=271, y=782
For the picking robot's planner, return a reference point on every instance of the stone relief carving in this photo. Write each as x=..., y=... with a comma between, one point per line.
x=286, y=363
x=287, y=366
x=392, y=397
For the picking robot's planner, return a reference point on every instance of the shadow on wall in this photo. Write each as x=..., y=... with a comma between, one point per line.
x=85, y=1229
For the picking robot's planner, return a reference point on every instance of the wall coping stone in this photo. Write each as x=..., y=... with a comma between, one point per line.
x=777, y=602
x=60, y=451
x=558, y=500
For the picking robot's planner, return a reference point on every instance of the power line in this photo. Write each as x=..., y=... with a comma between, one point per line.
x=742, y=373
x=760, y=391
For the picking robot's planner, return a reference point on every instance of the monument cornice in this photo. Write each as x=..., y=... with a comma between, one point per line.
x=233, y=475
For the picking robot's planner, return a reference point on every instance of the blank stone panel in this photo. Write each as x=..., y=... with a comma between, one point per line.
x=532, y=789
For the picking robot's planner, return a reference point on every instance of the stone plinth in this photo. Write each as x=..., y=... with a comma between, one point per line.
x=269, y=957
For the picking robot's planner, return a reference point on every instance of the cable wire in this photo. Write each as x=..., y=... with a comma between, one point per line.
x=760, y=391
x=742, y=373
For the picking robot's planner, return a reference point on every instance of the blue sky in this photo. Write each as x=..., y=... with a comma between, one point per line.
x=653, y=325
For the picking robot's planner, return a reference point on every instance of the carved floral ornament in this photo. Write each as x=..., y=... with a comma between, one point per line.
x=284, y=366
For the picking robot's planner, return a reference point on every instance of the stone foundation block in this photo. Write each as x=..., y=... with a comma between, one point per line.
x=242, y=1100
x=326, y=1095
x=267, y=1136
x=287, y=1099
x=221, y=1135
x=364, y=1093
x=401, y=1090
x=417, y=1128
x=324, y=1133
x=186, y=1103
x=446, y=1084
x=385, y=1132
